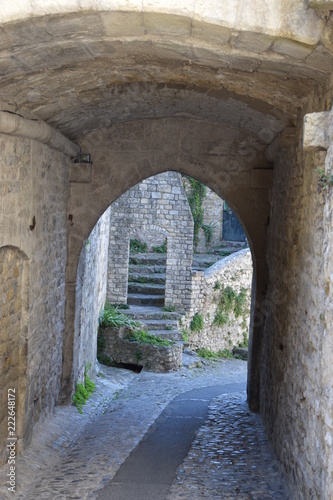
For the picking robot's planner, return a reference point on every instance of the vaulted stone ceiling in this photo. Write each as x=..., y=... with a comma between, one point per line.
x=83, y=71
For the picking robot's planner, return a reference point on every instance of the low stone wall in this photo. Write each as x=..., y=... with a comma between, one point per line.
x=150, y=357
x=221, y=282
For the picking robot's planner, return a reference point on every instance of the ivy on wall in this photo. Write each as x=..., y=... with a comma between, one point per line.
x=195, y=197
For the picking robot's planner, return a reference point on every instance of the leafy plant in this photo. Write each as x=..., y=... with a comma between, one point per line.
x=161, y=248
x=220, y=319
x=324, y=180
x=206, y=353
x=208, y=230
x=137, y=246
x=197, y=323
x=185, y=335
x=169, y=308
x=147, y=338
x=230, y=301
x=245, y=342
x=195, y=199
x=225, y=353
x=111, y=316
x=83, y=391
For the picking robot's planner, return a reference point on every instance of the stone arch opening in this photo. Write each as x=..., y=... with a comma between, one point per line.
x=14, y=310
x=223, y=182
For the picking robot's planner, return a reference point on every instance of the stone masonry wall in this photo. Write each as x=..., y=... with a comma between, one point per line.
x=159, y=205
x=213, y=214
x=13, y=343
x=297, y=374
x=234, y=271
x=34, y=194
x=91, y=294
x=150, y=357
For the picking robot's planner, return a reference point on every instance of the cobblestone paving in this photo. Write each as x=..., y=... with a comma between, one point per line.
x=72, y=456
x=230, y=458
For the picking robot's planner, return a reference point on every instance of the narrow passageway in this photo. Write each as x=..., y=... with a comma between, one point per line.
x=137, y=429
x=150, y=469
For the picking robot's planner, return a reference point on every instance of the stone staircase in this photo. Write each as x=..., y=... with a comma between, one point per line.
x=146, y=291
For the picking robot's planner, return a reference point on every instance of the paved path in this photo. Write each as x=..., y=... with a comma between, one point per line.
x=77, y=456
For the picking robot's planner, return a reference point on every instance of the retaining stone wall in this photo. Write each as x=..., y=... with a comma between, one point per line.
x=234, y=271
x=91, y=294
x=150, y=357
x=157, y=205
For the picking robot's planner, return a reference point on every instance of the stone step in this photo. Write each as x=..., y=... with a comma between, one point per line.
x=168, y=334
x=141, y=313
x=140, y=299
x=147, y=269
x=148, y=258
x=159, y=324
x=158, y=278
x=146, y=288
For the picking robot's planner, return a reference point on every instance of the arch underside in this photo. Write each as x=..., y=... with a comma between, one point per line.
x=146, y=92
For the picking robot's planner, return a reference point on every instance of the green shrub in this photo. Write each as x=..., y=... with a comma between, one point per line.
x=83, y=391
x=197, y=323
x=208, y=230
x=185, y=335
x=206, y=353
x=169, y=308
x=111, y=316
x=195, y=199
x=137, y=246
x=220, y=319
x=147, y=338
x=230, y=302
x=161, y=248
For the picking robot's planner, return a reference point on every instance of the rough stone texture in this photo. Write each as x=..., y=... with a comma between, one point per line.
x=203, y=88
x=34, y=194
x=90, y=295
x=234, y=271
x=150, y=357
x=297, y=373
x=157, y=206
x=13, y=344
x=212, y=214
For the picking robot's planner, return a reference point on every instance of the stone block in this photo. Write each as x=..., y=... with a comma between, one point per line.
x=292, y=49
x=123, y=24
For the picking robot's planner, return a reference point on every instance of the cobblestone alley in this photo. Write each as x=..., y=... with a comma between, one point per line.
x=75, y=456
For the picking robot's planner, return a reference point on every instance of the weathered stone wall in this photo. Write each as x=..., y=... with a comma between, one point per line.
x=13, y=344
x=297, y=373
x=150, y=357
x=213, y=215
x=34, y=194
x=158, y=205
x=91, y=294
x=235, y=272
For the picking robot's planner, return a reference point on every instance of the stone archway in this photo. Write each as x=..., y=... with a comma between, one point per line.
x=229, y=161
x=13, y=343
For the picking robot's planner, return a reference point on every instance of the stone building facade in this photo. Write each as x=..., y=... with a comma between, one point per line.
x=154, y=210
